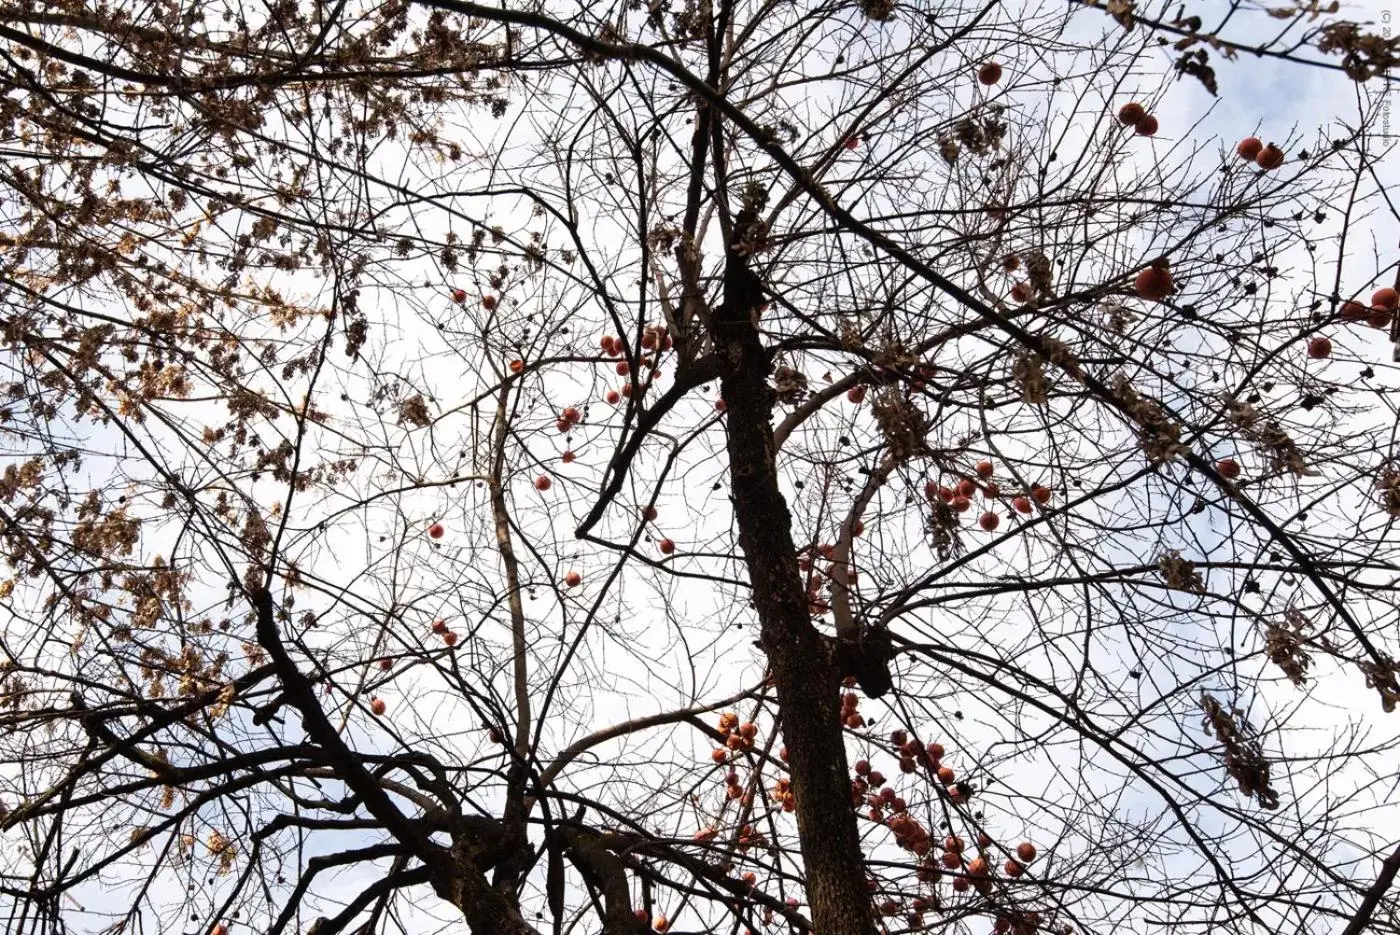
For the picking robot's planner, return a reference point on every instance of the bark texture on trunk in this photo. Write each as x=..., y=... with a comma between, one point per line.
x=801, y=661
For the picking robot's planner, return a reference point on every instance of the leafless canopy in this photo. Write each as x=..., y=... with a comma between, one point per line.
x=728, y=466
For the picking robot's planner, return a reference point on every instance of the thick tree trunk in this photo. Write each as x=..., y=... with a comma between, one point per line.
x=804, y=673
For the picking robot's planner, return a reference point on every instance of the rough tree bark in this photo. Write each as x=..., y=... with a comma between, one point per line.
x=804, y=672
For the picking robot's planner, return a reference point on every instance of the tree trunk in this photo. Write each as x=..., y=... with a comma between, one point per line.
x=804, y=672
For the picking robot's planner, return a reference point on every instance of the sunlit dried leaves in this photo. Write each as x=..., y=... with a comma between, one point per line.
x=944, y=531
x=881, y=11
x=1158, y=436
x=1285, y=643
x=1363, y=54
x=980, y=135
x=1122, y=12
x=1041, y=273
x=1384, y=677
x=222, y=849
x=1197, y=65
x=1028, y=372
x=789, y=385
x=904, y=425
x=1244, y=757
x=851, y=336
x=1180, y=574
x=1268, y=437
x=414, y=411
x=1388, y=489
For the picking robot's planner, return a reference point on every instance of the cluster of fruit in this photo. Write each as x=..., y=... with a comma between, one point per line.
x=1379, y=315
x=959, y=495
x=737, y=737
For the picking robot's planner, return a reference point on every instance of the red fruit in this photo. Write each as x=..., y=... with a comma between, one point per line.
x=856, y=394
x=953, y=843
x=666, y=546
x=946, y=775
x=385, y=665
x=459, y=296
x=622, y=368
x=992, y=491
x=606, y=343
x=1026, y=851
x=612, y=397
x=1153, y=283
x=930, y=491
x=543, y=482
x=1269, y=158
x=960, y=885
x=719, y=754
x=1021, y=505
x=989, y=73
x=1229, y=468
x=639, y=914
x=978, y=867
x=488, y=302
x=748, y=730
x=858, y=528
x=436, y=531
x=439, y=626
x=1010, y=263
x=946, y=494
x=377, y=706
x=1041, y=494
x=720, y=405
x=571, y=414
x=962, y=504
x=966, y=488
x=450, y=638
x=517, y=366
x=572, y=579
x=1014, y=868
x=1379, y=317
x=648, y=340
x=493, y=735
x=936, y=751
x=660, y=924
x=649, y=514
x=1131, y=114
x=219, y=929
x=952, y=860
x=1021, y=292
x=989, y=521
x=1146, y=126
x=562, y=425
x=851, y=142
x=1354, y=311
x=984, y=469
x=876, y=778
x=1249, y=148
x=1385, y=297
x=983, y=840
x=1319, y=348
x=862, y=767
x=567, y=457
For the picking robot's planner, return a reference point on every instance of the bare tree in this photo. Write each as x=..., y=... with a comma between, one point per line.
x=713, y=467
